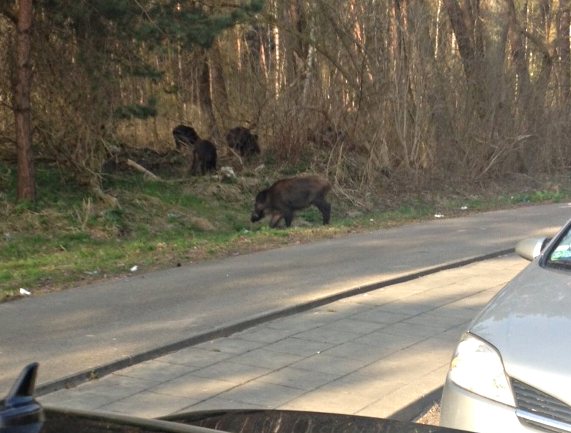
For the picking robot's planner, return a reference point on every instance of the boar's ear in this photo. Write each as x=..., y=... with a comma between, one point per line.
x=262, y=196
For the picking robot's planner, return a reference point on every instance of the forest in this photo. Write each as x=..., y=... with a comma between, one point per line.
x=367, y=92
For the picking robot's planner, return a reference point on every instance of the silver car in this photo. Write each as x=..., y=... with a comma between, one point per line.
x=511, y=371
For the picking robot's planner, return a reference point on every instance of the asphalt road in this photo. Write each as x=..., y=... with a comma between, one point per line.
x=81, y=329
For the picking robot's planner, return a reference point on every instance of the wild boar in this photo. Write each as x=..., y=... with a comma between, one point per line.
x=243, y=141
x=203, y=157
x=184, y=136
x=286, y=196
x=330, y=137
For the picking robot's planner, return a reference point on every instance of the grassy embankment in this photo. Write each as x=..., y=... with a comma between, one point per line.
x=68, y=239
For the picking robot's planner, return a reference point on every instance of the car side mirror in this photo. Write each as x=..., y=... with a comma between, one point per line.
x=531, y=248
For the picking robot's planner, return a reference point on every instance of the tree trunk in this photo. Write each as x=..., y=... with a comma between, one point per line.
x=460, y=26
x=564, y=50
x=519, y=58
x=467, y=29
x=204, y=91
x=219, y=95
x=22, y=111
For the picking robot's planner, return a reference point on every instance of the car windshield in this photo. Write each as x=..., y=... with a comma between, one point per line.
x=560, y=254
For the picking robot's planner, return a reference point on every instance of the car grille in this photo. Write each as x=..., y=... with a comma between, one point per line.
x=541, y=410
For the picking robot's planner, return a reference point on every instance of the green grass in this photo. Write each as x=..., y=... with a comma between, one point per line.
x=69, y=238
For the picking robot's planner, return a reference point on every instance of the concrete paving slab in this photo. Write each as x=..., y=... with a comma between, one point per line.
x=415, y=330
x=355, y=350
x=335, y=402
x=381, y=316
x=441, y=318
x=298, y=378
x=262, y=394
x=299, y=346
x=399, y=398
x=328, y=335
x=233, y=346
x=388, y=342
x=267, y=358
x=79, y=400
x=149, y=404
x=265, y=334
x=334, y=365
x=229, y=371
x=354, y=326
x=196, y=387
x=219, y=403
x=154, y=371
x=194, y=358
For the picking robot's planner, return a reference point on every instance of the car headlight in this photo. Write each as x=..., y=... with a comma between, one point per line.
x=477, y=367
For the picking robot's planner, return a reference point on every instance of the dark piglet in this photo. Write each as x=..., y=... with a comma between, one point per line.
x=286, y=196
x=184, y=136
x=203, y=151
x=243, y=141
x=203, y=157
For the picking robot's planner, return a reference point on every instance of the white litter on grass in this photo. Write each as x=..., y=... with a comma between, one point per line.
x=24, y=292
x=134, y=268
x=228, y=173
x=438, y=215
x=464, y=208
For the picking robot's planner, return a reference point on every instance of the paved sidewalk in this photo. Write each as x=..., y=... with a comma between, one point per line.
x=372, y=354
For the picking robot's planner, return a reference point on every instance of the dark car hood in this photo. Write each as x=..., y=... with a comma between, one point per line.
x=226, y=421
x=286, y=421
x=529, y=322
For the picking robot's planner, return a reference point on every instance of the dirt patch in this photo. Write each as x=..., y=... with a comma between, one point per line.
x=430, y=416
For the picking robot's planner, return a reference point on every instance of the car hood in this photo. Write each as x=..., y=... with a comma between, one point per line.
x=529, y=322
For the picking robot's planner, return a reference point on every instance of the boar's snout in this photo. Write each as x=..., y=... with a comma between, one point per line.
x=257, y=216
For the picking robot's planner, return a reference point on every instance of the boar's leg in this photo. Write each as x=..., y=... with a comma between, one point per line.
x=325, y=209
x=195, y=162
x=288, y=216
x=276, y=217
